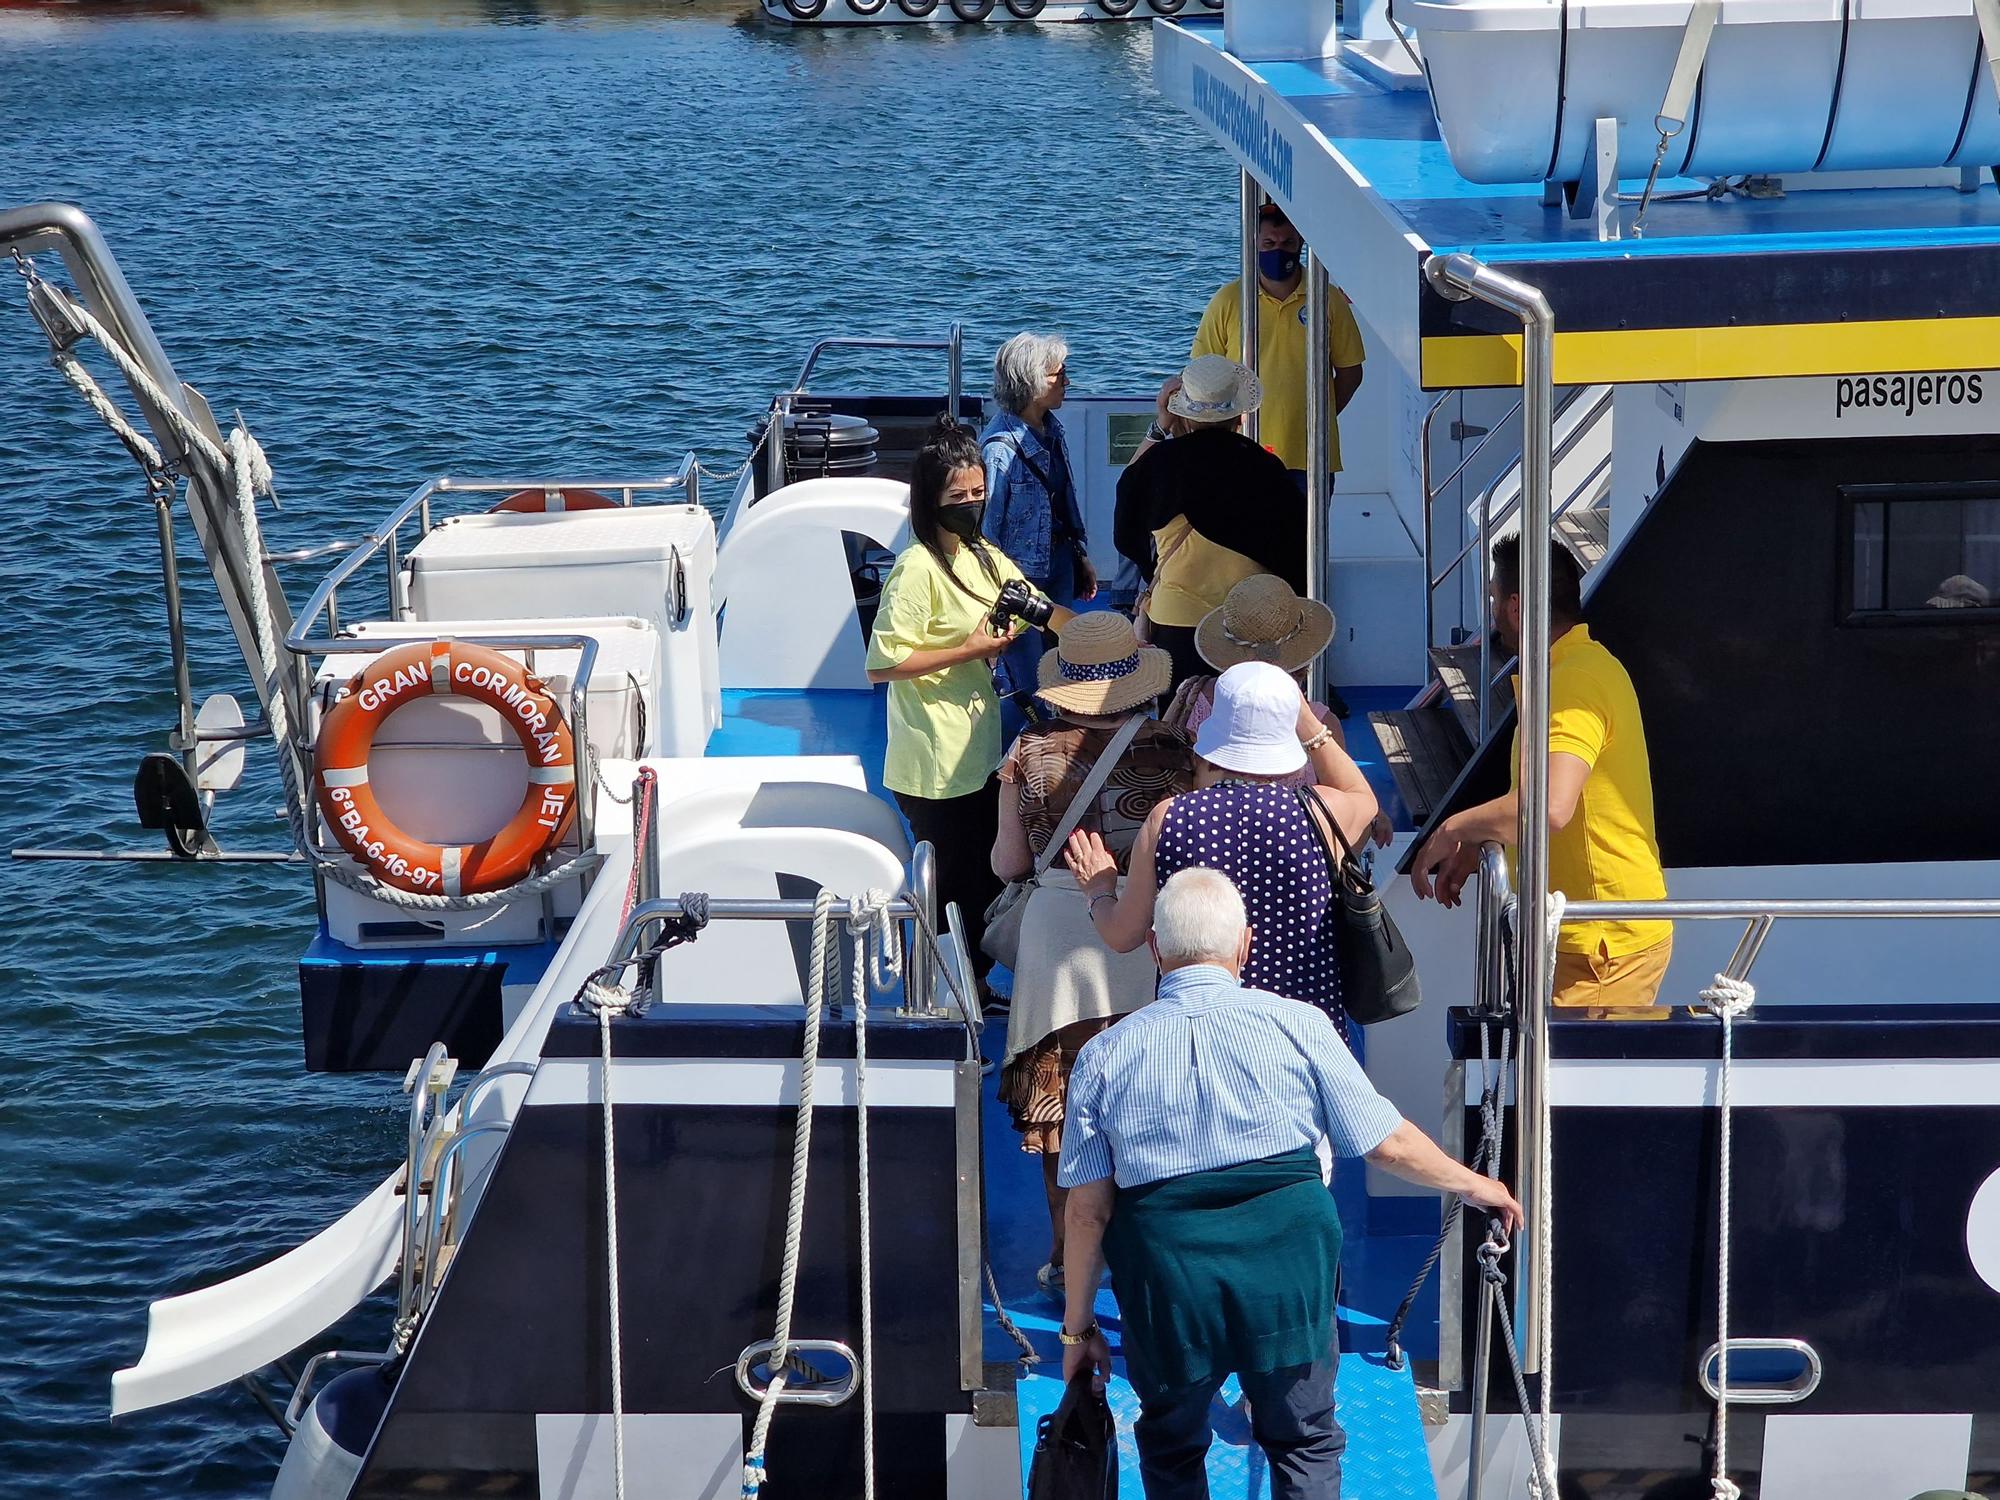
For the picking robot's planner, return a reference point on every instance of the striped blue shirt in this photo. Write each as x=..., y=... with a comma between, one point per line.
x=1210, y=1075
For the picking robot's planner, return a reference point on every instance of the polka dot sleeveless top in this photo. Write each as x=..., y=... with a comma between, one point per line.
x=1257, y=835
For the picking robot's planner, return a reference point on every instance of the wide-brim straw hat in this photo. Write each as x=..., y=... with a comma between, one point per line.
x=1261, y=619
x=1215, y=388
x=1099, y=667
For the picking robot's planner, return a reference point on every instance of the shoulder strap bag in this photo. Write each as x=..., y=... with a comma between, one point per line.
x=1002, y=939
x=1378, y=976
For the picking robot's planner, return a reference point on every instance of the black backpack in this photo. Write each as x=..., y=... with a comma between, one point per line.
x=1076, y=1447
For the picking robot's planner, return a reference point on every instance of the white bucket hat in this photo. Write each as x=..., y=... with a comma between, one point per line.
x=1254, y=725
x=1216, y=388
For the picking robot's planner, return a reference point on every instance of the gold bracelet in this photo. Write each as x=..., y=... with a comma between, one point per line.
x=1063, y=1335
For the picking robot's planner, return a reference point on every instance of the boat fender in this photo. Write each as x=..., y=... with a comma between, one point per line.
x=333, y=1436
x=1116, y=7
x=1025, y=10
x=1212, y=4
x=1167, y=7
x=804, y=10
x=972, y=10
x=347, y=736
x=536, y=502
x=916, y=10
x=866, y=7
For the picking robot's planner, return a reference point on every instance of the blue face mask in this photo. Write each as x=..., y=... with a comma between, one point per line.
x=1278, y=265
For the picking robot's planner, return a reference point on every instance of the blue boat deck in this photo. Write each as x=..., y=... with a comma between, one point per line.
x=1385, y=1241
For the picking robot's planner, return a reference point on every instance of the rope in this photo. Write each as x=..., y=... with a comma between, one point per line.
x=868, y=915
x=1485, y=1159
x=643, y=787
x=1727, y=998
x=607, y=1000
x=795, y=1210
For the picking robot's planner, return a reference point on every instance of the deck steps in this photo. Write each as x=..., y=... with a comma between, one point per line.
x=1426, y=747
x=1586, y=532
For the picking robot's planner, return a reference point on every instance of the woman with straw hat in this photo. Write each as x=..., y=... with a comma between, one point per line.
x=1068, y=985
x=1262, y=619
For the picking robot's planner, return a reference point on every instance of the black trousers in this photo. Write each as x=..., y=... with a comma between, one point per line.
x=960, y=830
x=1178, y=642
x=1291, y=1416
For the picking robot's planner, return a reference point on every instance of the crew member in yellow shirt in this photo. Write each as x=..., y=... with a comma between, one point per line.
x=934, y=643
x=1602, y=844
x=1281, y=342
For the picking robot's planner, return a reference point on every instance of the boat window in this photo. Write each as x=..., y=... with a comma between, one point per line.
x=1922, y=553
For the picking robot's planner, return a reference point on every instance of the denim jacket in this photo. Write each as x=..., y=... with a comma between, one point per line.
x=1020, y=512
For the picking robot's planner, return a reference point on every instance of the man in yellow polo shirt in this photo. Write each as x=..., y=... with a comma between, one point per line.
x=1602, y=844
x=1281, y=342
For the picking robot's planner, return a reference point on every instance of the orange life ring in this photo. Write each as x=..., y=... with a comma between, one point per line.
x=540, y=501
x=400, y=676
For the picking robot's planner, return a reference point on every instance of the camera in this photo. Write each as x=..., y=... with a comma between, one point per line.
x=1017, y=601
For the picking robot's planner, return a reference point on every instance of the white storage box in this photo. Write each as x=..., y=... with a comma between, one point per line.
x=448, y=770
x=1502, y=78
x=656, y=562
x=1281, y=30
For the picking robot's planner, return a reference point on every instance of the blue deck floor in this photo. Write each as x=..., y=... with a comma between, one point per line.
x=1385, y=1454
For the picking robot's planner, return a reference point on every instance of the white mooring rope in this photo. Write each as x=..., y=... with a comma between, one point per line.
x=795, y=1209
x=1727, y=998
x=1543, y=1239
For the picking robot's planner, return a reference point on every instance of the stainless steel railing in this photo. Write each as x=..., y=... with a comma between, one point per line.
x=386, y=539
x=953, y=345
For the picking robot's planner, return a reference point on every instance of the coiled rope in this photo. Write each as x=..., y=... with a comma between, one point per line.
x=1726, y=998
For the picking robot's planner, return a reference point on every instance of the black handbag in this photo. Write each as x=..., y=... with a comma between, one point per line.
x=1076, y=1447
x=1378, y=976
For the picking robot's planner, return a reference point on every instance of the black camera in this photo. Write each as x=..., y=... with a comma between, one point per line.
x=1017, y=601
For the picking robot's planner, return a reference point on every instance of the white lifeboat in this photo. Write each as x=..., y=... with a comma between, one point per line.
x=1786, y=85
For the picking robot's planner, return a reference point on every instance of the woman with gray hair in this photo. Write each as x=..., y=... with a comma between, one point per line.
x=1033, y=512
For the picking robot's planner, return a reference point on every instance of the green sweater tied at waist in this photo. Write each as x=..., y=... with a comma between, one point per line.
x=1226, y=1270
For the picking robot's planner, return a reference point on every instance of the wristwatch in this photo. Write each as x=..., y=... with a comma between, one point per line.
x=1089, y=1333
x=1156, y=433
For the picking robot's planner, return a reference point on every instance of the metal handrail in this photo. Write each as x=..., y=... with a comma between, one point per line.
x=1563, y=450
x=649, y=914
x=953, y=344
x=1775, y=908
x=687, y=477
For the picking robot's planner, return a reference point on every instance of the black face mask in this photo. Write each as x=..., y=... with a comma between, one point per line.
x=1278, y=264
x=962, y=521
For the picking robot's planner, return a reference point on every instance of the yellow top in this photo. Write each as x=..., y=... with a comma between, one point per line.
x=1609, y=851
x=1194, y=576
x=1281, y=361
x=944, y=727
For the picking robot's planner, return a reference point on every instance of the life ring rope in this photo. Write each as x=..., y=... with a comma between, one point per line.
x=398, y=859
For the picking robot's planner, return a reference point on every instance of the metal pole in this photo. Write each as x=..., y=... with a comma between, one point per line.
x=1482, y=1359
x=774, y=444
x=1252, y=199
x=955, y=355
x=1458, y=277
x=1319, y=481
x=170, y=572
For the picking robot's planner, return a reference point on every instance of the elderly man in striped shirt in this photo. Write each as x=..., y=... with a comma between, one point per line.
x=1190, y=1152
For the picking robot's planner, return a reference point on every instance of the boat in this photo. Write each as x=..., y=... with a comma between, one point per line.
x=701, y=1188
x=972, y=12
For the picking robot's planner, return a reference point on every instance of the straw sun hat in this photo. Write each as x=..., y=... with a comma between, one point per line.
x=1099, y=667
x=1261, y=619
x=1215, y=388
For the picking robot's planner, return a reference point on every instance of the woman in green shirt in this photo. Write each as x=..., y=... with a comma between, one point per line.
x=934, y=645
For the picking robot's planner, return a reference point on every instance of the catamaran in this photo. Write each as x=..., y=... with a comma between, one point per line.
x=702, y=1194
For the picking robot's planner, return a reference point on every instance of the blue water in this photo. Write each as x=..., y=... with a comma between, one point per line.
x=404, y=240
